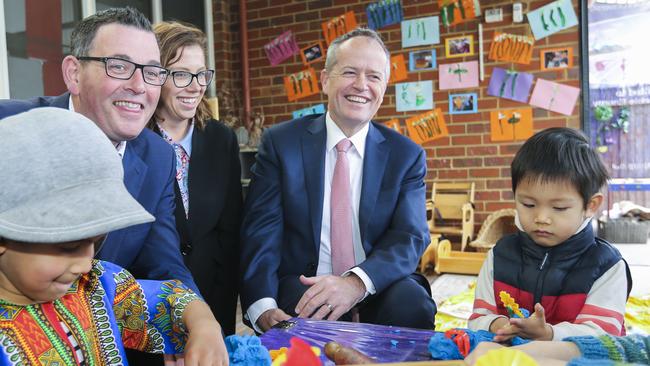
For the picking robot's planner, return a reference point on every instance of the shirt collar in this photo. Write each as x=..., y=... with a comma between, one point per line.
x=121, y=146
x=334, y=135
x=185, y=142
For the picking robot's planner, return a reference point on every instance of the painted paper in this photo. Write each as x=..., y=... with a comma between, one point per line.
x=511, y=48
x=454, y=12
x=312, y=53
x=427, y=126
x=281, y=48
x=416, y=96
x=552, y=18
x=301, y=84
x=420, y=32
x=422, y=60
x=511, y=124
x=397, y=69
x=510, y=84
x=338, y=26
x=315, y=109
x=554, y=97
x=459, y=75
x=384, y=13
x=463, y=103
x=393, y=124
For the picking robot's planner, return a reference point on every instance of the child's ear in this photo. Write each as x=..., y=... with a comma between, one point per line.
x=594, y=203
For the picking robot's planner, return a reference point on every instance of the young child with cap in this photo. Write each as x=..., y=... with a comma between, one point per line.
x=61, y=191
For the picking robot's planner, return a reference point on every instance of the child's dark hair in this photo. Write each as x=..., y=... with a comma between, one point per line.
x=560, y=154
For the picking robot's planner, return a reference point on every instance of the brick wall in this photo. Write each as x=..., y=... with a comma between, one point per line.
x=468, y=153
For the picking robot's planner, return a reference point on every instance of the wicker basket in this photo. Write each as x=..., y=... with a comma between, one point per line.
x=624, y=230
x=498, y=224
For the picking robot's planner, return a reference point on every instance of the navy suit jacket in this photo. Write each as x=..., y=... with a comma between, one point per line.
x=284, y=207
x=149, y=250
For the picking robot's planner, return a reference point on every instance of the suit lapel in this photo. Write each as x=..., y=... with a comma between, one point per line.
x=374, y=163
x=313, y=159
x=134, y=168
x=61, y=101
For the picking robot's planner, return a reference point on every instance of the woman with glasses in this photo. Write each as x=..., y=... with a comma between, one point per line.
x=208, y=181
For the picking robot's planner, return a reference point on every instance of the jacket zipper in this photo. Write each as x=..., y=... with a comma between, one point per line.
x=539, y=286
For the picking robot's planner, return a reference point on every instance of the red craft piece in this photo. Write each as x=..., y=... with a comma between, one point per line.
x=461, y=339
x=300, y=354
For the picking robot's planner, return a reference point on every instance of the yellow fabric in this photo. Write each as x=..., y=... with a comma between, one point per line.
x=637, y=314
x=455, y=311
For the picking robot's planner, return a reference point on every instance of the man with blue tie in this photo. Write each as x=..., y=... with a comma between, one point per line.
x=335, y=217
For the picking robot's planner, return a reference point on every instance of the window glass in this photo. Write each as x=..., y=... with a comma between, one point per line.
x=188, y=11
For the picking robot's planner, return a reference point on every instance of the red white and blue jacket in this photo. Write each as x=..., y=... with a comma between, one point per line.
x=583, y=284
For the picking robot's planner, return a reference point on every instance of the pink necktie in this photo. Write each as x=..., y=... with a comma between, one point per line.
x=341, y=212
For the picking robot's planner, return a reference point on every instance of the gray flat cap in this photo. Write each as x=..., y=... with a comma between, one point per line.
x=61, y=179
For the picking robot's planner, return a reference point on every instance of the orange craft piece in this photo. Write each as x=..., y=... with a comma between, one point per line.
x=338, y=26
x=300, y=354
x=427, y=126
x=461, y=339
x=397, y=69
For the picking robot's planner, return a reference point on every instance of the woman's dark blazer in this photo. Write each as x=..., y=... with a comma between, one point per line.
x=210, y=235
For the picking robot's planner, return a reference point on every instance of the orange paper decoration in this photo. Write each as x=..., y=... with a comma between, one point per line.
x=338, y=26
x=393, y=124
x=511, y=48
x=397, y=69
x=427, y=126
x=511, y=124
x=451, y=13
x=301, y=84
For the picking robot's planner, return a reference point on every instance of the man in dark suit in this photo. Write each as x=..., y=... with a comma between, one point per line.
x=335, y=217
x=114, y=78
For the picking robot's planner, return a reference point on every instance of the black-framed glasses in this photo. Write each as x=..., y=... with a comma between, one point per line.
x=184, y=78
x=122, y=69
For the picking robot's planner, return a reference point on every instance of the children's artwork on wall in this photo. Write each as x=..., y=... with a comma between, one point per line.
x=338, y=26
x=427, y=126
x=552, y=18
x=511, y=48
x=301, y=84
x=455, y=12
x=397, y=69
x=460, y=75
x=463, y=103
x=554, y=97
x=511, y=124
x=416, y=96
x=393, y=124
x=420, y=32
x=281, y=48
x=422, y=60
x=315, y=109
x=510, y=84
x=312, y=53
x=459, y=46
x=556, y=58
x=384, y=13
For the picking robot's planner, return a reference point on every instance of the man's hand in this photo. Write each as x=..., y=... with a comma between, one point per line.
x=329, y=296
x=534, y=327
x=205, y=345
x=270, y=318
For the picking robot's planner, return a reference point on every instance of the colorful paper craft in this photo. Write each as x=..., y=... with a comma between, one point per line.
x=510, y=84
x=393, y=124
x=281, y=48
x=552, y=18
x=301, y=84
x=338, y=26
x=420, y=32
x=427, y=126
x=384, y=13
x=312, y=53
x=422, y=60
x=397, y=69
x=554, y=97
x=511, y=48
x=511, y=124
x=511, y=305
x=463, y=103
x=460, y=75
x=455, y=12
x=315, y=109
x=416, y=96
x=459, y=46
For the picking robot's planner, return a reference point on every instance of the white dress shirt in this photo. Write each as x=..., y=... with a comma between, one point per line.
x=355, y=159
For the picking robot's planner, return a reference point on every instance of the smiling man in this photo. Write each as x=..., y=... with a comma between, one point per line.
x=335, y=218
x=114, y=78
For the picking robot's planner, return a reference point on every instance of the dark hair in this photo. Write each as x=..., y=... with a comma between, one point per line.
x=84, y=32
x=173, y=37
x=560, y=154
x=330, y=59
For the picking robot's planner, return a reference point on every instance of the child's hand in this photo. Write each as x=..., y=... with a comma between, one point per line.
x=205, y=346
x=534, y=327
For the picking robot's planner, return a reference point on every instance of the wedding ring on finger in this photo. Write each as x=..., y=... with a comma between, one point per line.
x=329, y=307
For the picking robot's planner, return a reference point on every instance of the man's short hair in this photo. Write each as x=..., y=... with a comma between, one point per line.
x=330, y=60
x=560, y=154
x=85, y=31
